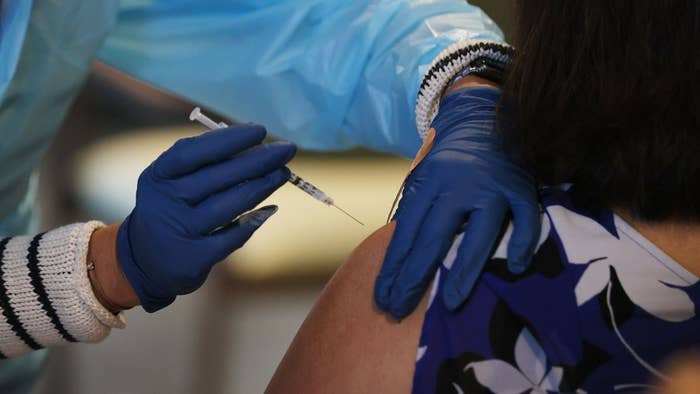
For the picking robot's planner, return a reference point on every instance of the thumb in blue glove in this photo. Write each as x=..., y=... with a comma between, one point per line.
x=465, y=183
x=188, y=204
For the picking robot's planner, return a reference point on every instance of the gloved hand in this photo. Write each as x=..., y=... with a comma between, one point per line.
x=186, y=203
x=467, y=183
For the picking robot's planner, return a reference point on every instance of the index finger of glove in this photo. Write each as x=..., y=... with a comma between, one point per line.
x=220, y=208
x=429, y=249
x=480, y=235
x=526, y=234
x=254, y=163
x=409, y=218
x=190, y=154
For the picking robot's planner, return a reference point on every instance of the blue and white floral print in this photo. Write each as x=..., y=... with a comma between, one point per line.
x=599, y=309
x=531, y=374
x=650, y=285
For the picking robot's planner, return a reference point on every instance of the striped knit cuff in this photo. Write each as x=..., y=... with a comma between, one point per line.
x=45, y=295
x=450, y=63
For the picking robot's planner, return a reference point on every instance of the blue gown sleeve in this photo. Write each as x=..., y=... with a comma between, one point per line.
x=326, y=74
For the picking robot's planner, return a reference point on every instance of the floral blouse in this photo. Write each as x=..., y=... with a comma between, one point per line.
x=598, y=311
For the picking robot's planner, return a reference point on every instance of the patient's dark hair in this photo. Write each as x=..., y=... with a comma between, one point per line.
x=605, y=94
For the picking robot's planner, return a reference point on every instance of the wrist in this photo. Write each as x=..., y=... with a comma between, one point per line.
x=107, y=278
x=449, y=64
x=472, y=81
x=468, y=116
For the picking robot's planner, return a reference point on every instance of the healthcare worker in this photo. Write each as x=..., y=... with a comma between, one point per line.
x=325, y=74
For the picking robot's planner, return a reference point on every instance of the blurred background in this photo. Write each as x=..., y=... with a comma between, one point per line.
x=229, y=336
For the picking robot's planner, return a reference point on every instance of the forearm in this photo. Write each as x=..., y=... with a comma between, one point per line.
x=46, y=298
x=326, y=74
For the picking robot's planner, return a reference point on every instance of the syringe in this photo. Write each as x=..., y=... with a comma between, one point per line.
x=294, y=179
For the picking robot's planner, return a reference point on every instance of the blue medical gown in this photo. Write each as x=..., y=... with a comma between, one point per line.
x=326, y=74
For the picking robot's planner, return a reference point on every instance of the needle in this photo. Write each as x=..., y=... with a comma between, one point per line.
x=349, y=215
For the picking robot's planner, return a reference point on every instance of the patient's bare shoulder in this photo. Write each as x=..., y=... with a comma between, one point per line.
x=346, y=345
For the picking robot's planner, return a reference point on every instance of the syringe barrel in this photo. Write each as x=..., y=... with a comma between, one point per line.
x=310, y=189
x=294, y=179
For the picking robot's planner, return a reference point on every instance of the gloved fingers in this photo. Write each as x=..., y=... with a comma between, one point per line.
x=221, y=208
x=526, y=234
x=254, y=163
x=435, y=237
x=409, y=217
x=190, y=154
x=480, y=235
x=236, y=234
x=415, y=186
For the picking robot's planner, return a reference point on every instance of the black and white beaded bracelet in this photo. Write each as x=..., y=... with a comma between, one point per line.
x=449, y=64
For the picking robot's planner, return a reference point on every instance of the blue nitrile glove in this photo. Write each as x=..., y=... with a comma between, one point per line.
x=467, y=183
x=186, y=203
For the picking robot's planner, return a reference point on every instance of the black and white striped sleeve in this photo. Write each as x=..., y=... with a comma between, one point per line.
x=446, y=66
x=45, y=295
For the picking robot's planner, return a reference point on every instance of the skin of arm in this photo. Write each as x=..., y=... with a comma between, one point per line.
x=346, y=345
x=684, y=375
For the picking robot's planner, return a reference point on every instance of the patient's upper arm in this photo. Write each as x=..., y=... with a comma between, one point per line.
x=346, y=345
